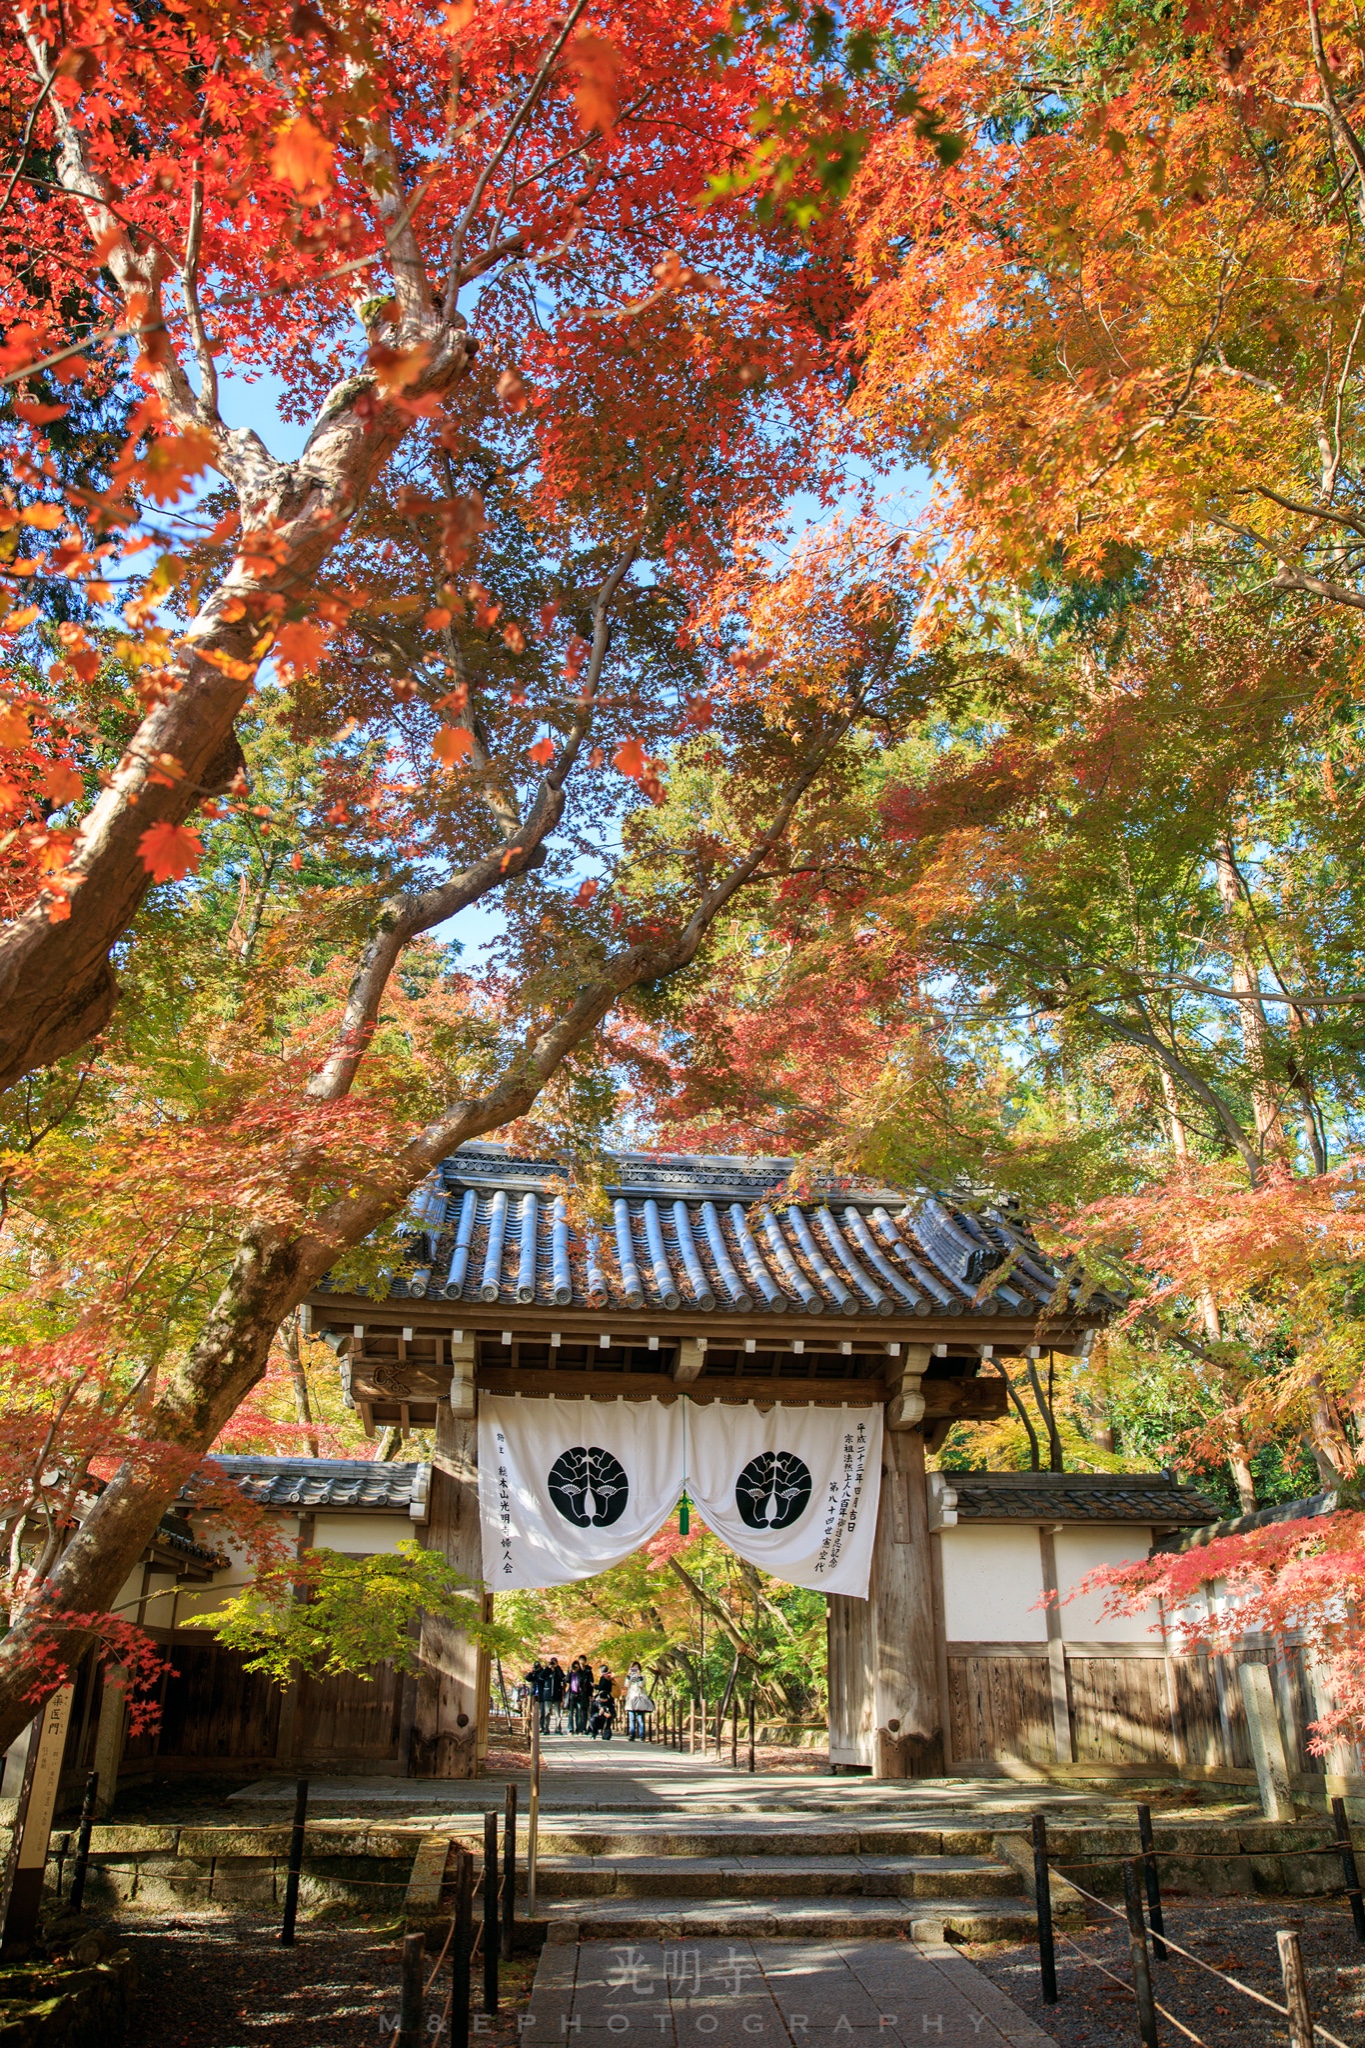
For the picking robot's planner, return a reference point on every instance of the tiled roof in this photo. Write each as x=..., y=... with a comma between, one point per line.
x=712, y=1233
x=1148, y=1497
x=351, y=1483
x=1241, y=1525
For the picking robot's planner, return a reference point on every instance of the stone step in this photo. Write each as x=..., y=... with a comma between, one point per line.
x=772, y=1877
x=811, y=1919
x=743, y=1838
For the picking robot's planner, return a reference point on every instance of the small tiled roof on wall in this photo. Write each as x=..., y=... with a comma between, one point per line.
x=1154, y=1499
x=705, y=1233
x=354, y=1484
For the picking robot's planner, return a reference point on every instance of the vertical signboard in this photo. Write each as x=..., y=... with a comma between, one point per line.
x=22, y=1893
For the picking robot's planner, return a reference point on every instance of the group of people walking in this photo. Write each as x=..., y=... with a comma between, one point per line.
x=573, y=1702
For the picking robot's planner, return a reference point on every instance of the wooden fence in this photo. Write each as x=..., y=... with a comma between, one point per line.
x=1128, y=1708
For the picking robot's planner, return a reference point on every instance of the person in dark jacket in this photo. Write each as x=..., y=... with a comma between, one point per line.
x=577, y=1688
x=602, y=1715
x=554, y=1696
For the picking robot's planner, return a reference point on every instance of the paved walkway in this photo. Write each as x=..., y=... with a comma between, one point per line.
x=770, y=1994
x=579, y=1775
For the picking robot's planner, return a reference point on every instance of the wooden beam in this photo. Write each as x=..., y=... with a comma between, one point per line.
x=1008, y=1336
x=644, y=1386
x=976, y=1400
x=964, y=1400
x=690, y=1360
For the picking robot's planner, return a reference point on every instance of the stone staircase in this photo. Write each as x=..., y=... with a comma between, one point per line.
x=777, y=1873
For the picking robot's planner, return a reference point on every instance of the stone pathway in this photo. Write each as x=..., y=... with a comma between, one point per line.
x=579, y=1775
x=769, y=1994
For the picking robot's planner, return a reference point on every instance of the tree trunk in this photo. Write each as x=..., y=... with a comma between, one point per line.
x=1239, y=1463
x=303, y=1412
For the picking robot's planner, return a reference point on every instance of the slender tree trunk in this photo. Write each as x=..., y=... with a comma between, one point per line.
x=303, y=1412
x=1239, y=1462
x=1256, y=1032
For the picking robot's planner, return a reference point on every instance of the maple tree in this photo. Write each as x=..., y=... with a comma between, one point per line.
x=1128, y=318
x=567, y=333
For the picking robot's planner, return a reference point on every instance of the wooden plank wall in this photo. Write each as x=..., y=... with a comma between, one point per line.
x=216, y=1713
x=1000, y=1707
x=1173, y=1713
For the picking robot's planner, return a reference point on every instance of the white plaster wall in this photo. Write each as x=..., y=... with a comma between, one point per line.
x=237, y=1573
x=992, y=1582
x=1081, y=1549
x=365, y=1533
x=354, y=1535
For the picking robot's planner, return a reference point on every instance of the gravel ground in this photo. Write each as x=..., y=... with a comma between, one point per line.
x=1235, y=1935
x=220, y=1980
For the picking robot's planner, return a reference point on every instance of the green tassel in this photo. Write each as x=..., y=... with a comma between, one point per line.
x=684, y=1524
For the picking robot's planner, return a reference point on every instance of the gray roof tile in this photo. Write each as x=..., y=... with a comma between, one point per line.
x=1147, y=1497
x=351, y=1483
x=698, y=1232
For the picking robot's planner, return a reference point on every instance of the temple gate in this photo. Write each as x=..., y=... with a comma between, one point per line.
x=705, y=1283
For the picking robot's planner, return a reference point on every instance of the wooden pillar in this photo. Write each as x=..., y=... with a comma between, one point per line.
x=454, y=1674
x=110, y=1730
x=906, y=1720
x=849, y=1625
x=885, y=1689
x=1058, y=1677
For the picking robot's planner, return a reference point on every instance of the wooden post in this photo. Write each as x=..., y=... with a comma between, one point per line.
x=533, y=1819
x=1348, y=1866
x=22, y=1897
x=446, y=1721
x=752, y=1757
x=76, y=1896
x=1153, y=1882
x=460, y=1951
x=410, y=2033
x=734, y=1731
x=1267, y=1742
x=509, y=1873
x=291, y=1882
x=490, y=1912
x=1295, y=1989
x=1137, y=1943
x=1042, y=1899
x=907, y=1737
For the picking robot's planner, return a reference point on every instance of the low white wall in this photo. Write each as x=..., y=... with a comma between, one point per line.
x=1083, y=1548
x=992, y=1583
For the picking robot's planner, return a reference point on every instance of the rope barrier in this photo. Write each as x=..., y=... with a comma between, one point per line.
x=1246, y=1989
x=1124, y=1985
x=445, y=1950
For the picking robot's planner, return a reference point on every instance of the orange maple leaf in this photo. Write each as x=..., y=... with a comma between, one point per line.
x=585, y=892
x=452, y=743
x=541, y=752
x=169, y=851
x=62, y=783
x=630, y=759
x=173, y=461
x=298, y=646
x=302, y=157
x=595, y=63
